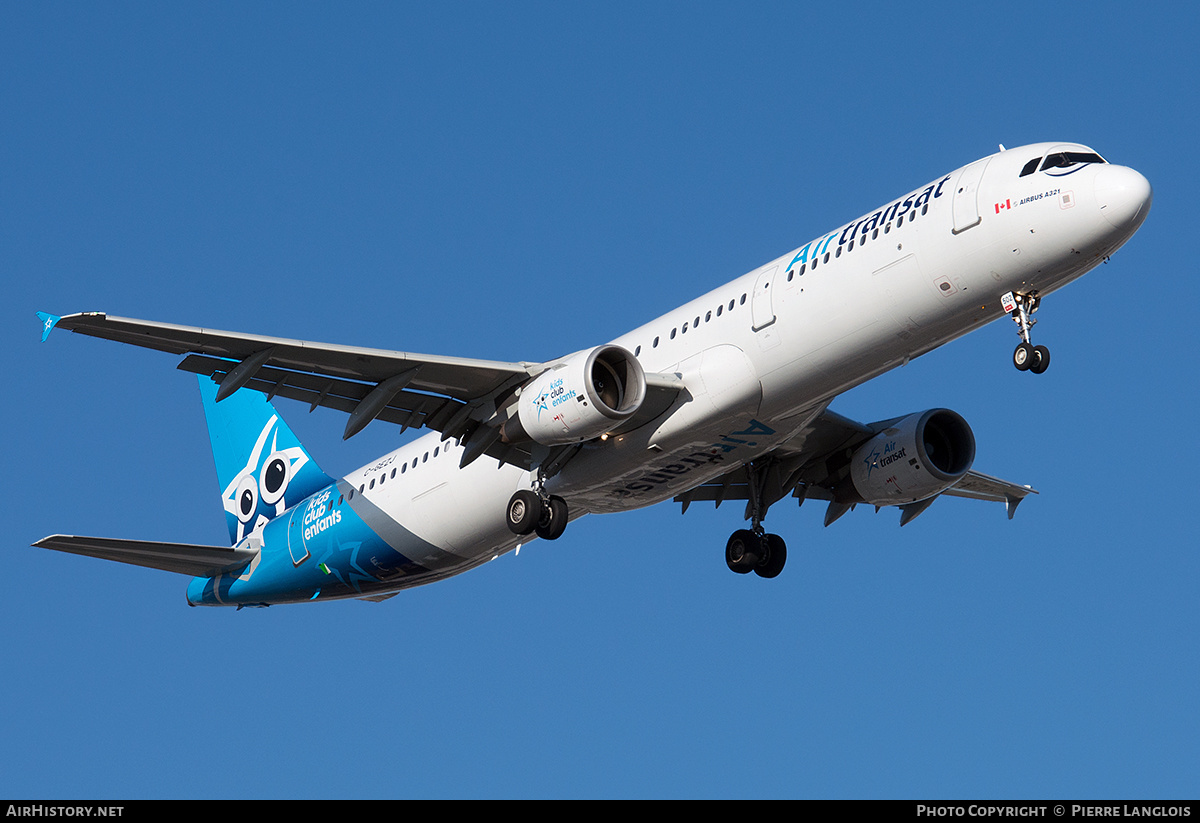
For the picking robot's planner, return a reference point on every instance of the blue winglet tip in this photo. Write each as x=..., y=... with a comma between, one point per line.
x=49, y=321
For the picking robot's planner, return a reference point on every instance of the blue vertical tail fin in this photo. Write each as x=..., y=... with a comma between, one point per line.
x=261, y=466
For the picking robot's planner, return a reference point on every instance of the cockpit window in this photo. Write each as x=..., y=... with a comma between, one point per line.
x=1063, y=159
x=1031, y=166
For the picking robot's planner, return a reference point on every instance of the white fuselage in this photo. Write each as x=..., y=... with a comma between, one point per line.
x=762, y=355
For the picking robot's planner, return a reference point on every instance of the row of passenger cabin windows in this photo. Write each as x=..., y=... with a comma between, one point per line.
x=402, y=468
x=708, y=315
x=1060, y=160
x=811, y=265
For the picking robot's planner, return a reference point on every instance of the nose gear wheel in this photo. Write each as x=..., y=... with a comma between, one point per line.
x=1026, y=356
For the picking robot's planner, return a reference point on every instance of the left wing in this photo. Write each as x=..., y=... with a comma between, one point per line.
x=814, y=463
x=461, y=397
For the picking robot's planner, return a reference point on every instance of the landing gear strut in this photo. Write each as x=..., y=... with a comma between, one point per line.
x=753, y=550
x=1026, y=357
x=534, y=511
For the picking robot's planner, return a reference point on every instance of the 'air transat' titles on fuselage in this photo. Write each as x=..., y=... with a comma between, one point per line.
x=901, y=207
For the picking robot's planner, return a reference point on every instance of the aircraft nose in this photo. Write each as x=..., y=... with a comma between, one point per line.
x=1123, y=195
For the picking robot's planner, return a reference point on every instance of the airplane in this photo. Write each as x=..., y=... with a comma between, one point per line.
x=725, y=398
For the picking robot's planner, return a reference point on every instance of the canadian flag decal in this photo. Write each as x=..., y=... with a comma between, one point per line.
x=1001, y=206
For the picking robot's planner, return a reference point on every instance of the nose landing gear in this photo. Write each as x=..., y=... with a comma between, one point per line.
x=1026, y=356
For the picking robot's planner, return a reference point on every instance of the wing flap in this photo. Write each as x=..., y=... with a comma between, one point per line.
x=182, y=558
x=406, y=408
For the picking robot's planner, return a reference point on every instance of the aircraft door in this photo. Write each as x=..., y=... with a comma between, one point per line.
x=296, y=544
x=762, y=310
x=762, y=313
x=966, y=196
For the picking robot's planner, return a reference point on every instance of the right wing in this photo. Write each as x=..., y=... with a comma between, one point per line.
x=812, y=463
x=461, y=397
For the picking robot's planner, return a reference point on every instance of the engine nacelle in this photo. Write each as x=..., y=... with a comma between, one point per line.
x=919, y=456
x=582, y=397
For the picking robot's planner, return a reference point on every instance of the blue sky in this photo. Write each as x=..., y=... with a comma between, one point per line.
x=516, y=181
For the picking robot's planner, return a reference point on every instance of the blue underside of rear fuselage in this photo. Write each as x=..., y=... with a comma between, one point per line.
x=320, y=550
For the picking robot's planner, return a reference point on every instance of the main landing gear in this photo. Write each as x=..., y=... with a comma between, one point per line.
x=1026, y=357
x=752, y=549
x=532, y=512
x=749, y=551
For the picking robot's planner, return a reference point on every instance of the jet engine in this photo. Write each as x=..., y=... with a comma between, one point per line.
x=915, y=458
x=582, y=397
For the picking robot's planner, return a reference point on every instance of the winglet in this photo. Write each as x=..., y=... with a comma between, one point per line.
x=49, y=321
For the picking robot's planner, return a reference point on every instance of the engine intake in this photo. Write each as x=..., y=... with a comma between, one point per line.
x=580, y=398
x=919, y=456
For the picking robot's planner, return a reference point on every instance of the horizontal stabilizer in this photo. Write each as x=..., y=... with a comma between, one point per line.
x=183, y=558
